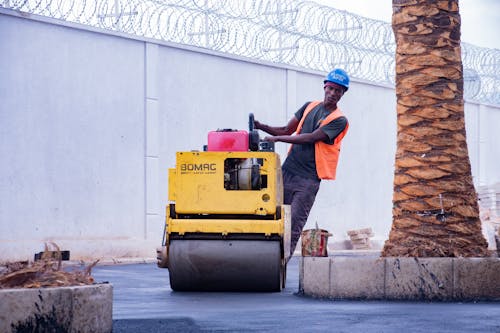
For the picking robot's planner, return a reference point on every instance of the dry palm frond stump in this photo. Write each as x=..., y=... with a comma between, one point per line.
x=46, y=272
x=42, y=297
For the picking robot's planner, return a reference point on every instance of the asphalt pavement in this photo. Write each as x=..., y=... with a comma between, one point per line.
x=144, y=302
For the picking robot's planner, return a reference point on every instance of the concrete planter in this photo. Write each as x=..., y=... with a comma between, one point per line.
x=59, y=309
x=439, y=279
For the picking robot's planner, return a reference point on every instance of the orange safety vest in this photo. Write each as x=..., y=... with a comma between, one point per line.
x=326, y=155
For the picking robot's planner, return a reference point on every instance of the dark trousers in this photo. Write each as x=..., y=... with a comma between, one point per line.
x=300, y=194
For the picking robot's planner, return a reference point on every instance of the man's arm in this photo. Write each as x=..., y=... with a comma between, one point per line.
x=327, y=134
x=317, y=135
x=288, y=129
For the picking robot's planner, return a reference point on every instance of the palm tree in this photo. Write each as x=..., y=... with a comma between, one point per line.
x=435, y=210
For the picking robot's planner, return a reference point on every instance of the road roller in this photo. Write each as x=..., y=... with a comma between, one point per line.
x=226, y=228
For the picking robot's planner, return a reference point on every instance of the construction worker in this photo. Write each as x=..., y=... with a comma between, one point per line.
x=315, y=133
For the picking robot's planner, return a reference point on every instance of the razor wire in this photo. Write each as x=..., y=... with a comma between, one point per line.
x=291, y=32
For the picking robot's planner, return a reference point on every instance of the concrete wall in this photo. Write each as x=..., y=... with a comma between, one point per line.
x=90, y=122
x=72, y=140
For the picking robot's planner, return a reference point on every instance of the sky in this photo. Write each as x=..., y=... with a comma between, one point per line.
x=480, y=18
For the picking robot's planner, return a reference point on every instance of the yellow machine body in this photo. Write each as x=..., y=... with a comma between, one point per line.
x=225, y=214
x=197, y=184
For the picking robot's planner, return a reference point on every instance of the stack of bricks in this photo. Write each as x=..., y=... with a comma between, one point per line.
x=360, y=239
x=489, y=203
x=489, y=212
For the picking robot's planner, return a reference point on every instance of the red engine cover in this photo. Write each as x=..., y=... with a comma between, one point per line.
x=227, y=140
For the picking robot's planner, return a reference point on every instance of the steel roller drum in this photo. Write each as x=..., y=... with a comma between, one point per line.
x=225, y=265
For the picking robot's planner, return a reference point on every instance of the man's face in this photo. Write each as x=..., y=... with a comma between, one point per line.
x=333, y=93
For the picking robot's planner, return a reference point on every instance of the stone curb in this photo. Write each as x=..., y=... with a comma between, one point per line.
x=401, y=278
x=59, y=309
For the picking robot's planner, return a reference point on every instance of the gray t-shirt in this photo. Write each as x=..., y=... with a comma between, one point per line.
x=301, y=160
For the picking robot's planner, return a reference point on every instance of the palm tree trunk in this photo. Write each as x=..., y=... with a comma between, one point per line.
x=435, y=210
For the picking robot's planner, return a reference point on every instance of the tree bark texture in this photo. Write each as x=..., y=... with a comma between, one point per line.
x=435, y=209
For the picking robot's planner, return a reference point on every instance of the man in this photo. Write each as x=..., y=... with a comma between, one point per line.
x=319, y=128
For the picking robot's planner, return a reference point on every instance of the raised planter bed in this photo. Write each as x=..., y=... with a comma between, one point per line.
x=57, y=309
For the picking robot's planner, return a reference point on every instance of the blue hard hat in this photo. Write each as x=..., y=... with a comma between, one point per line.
x=338, y=76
